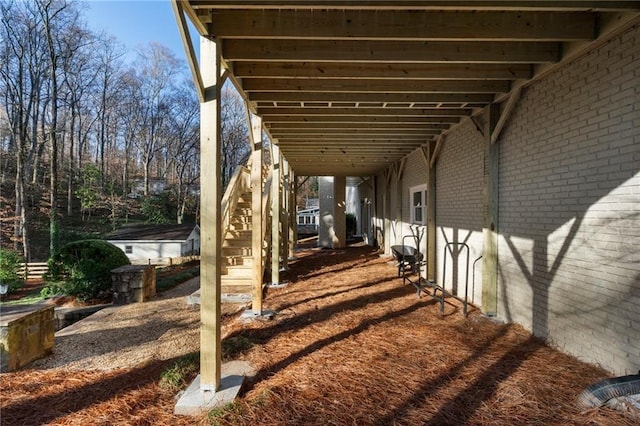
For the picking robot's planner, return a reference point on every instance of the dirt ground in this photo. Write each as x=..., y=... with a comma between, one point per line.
x=349, y=345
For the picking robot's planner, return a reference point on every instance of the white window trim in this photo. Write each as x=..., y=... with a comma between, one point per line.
x=412, y=207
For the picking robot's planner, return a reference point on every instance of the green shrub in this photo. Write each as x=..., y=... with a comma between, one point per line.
x=10, y=264
x=83, y=269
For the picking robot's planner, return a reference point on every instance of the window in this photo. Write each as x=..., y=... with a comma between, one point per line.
x=418, y=199
x=128, y=249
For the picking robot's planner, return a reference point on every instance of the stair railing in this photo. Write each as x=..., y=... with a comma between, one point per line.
x=239, y=183
x=266, y=223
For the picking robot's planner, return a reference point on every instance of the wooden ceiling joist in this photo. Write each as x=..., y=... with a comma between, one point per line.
x=367, y=112
x=384, y=51
x=376, y=85
x=378, y=79
x=355, y=97
x=352, y=71
x=516, y=5
x=404, y=25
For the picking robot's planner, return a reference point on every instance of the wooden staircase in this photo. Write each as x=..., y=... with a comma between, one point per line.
x=237, y=261
x=237, y=281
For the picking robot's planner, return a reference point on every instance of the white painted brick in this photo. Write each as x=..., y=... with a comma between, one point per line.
x=581, y=126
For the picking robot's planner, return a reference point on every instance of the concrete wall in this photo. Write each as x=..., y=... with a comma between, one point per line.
x=569, y=212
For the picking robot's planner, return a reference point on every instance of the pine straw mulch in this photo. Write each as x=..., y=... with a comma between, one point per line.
x=350, y=345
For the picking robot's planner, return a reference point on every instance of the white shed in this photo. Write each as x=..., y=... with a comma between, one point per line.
x=156, y=243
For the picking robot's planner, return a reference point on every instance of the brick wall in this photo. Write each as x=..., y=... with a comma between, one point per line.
x=569, y=208
x=459, y=186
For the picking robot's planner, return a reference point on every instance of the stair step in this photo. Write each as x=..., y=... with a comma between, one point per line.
x=237, y=242
x=240, y=219
x=238, y=234
x=236, y=251
x=237, y=261
x=238, y=271
x=240, y=226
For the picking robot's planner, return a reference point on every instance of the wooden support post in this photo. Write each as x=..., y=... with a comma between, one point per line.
x=293, y=223
x=398, y=190
x=431, y=212
x=275, y=215
x=210, y=226
x=256, y=212
x=490, y=226
x=285, y=213
x=386, y=207
x=296, y=187
x=339, y=212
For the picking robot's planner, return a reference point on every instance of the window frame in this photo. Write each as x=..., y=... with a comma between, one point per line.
x=422, y=190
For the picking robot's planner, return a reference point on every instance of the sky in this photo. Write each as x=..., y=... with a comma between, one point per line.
x=136, y=23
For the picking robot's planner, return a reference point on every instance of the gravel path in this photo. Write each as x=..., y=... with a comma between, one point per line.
x=125, y=336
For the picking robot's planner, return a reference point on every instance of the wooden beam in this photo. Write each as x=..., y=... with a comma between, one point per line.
x=431, y=212
x=346, y=127
x=355, y=118
x=187, y=43
x=368, y=112
x=350, y=133
x=276, y=187
x=516, y=5
x=346, y=143
x=382, y=71
x=355, y=97
x=490, y=227
x=391, y=51
x=211, y=220
x=256, y=212
x=253, y=85
x=432, y=26
x=506, y=113
x=436, y=151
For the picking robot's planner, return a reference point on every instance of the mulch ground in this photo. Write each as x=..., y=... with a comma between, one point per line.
x=350, y=345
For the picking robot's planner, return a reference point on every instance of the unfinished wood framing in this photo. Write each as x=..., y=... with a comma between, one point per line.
x=256, y=212
x=490, y=226
x=276, y=189
x=293, y=222
x=210, y=222
x=284, y=212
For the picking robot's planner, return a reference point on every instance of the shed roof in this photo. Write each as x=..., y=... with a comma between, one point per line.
x=152, y=233
x=351, y=87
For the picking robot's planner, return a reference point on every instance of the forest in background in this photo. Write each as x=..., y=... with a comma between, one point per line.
x=90, y=140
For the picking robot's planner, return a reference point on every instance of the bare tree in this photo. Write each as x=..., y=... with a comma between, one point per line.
x=235, y=132
x=159, y=70
x=184, y=146
x=22, y=78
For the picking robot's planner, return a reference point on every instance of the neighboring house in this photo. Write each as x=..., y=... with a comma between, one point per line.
x=156, y=243
x=156, y=186
x=308, y=220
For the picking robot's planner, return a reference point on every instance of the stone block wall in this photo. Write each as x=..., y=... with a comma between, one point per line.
x=133, y=283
